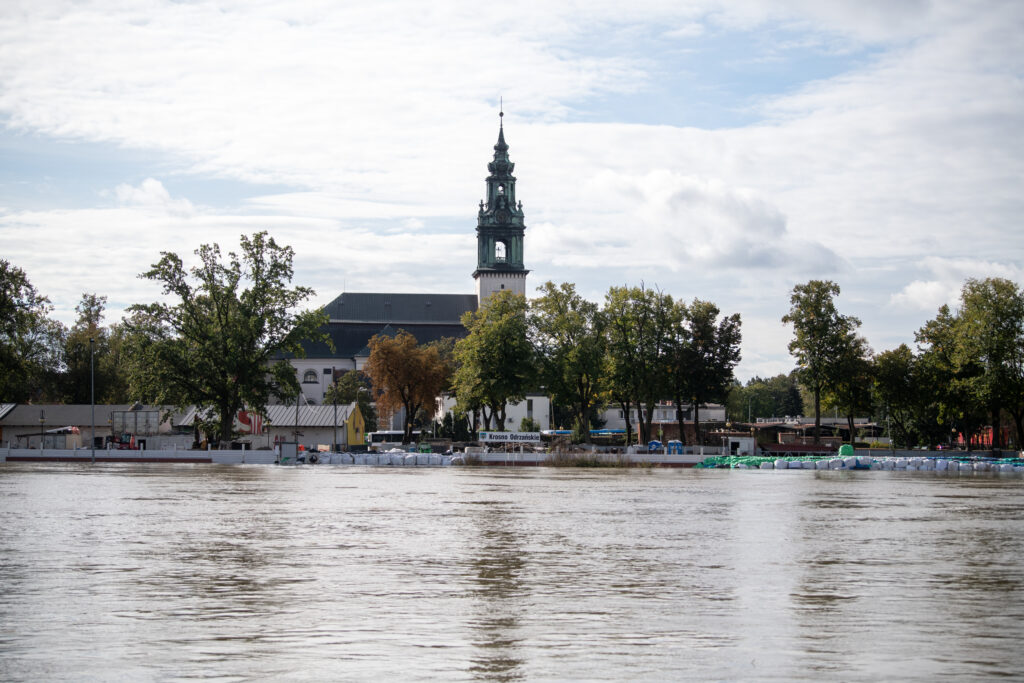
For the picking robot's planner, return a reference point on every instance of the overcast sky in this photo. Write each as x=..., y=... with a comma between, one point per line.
x=718, y=150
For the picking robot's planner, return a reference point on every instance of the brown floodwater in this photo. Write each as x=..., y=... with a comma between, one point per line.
x=238, y=573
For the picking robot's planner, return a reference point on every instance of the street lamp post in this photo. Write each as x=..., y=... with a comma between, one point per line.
x=92, y=395
x=42, y=427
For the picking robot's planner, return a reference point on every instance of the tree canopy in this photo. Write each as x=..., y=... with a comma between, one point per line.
x=821, y=338
x=567, y=332
x=495, y=362
x=702, y=358
x=31, y=344
x=406, y=376
x=220, y=344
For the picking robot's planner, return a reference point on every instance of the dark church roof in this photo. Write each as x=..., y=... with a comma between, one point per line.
x=357, y=316
x=377, y=307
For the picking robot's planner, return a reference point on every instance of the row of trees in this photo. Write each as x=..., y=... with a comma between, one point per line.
x=221, y=339
x=966, y=372
x=43, y=360
x=219, y=343
x=638, y=349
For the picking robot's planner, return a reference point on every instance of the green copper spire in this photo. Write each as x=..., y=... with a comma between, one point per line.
x=500, y=225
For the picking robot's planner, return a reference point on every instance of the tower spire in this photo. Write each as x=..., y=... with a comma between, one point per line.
x=500, y=226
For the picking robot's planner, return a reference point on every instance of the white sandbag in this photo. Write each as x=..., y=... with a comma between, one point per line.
x=889, y=465
x=927, y=466
x=435, y=459
x=865, y=460
x=410, y=460
x=740, y=466
x=781, y=464
x=446, y=460
x=966, y=467
x=767, y=465
x=849, y=463
x=457, y=460
x=941, y=465
x=981, y=466
x=916, y=462
x=1006, y=467
x=900, y=463
x=835, y=464
x=807, y=464
x=821, y=464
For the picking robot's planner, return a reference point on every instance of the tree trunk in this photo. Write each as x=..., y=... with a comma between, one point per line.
x=626, y=407
x=817, y=415
x=227, y=423
x=849, y=423
x=1018, y=425
x=997, y=432
x=679, y=419
x=697, y=438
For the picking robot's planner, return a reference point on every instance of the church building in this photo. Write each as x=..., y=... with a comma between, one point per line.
x=356, y=317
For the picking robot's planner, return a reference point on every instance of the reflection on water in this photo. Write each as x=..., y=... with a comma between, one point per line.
x=176, y=572
x=498, y=568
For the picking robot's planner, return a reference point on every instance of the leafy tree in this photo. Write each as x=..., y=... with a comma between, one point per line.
x=568, y=335
x=821, y=336
x=405, y=376
x=353, y=387
x=947, y=376
x=777, y=396
x=850, y=390
x=705, y=351
x=215, y=345
x=638, y=324
x=991, y=339
x=495, y=360
x=31, y=345
x=90, y=354
x=913, y=390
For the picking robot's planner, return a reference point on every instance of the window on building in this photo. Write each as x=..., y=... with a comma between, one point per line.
x=309, y=377
x=500, y=251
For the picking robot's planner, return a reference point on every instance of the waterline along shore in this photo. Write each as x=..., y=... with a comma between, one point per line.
x=937, y=461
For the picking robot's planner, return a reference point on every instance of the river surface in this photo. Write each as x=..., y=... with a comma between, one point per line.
x=242, y=573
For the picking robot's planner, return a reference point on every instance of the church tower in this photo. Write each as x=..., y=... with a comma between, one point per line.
x=499, y=229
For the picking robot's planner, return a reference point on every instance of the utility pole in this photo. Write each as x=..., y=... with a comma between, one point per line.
x=92, y=394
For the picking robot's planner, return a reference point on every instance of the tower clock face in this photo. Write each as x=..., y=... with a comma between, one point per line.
x=501, y=216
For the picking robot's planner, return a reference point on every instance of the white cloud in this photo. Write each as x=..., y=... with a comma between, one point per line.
x=382, y=114
x=152, y=194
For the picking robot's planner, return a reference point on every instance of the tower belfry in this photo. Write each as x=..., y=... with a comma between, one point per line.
x=499, y=228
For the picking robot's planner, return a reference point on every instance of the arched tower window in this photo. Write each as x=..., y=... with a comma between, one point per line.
x=309, y=377
x=500, y=251
x=501, y=189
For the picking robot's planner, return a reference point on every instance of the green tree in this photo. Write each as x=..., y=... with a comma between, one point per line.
x=215, y=345
x=31, y=344
x=947, y=375
x=639, y=323
x=703, y=356
x=567, y=332
x=92, y=351
x=495, y=360
x=850, y=390
x=405, y=376
x=991, y=326
x=821, y=337
x=353, y=387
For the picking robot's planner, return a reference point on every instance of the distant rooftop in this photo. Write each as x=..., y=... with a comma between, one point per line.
x=398, y=309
